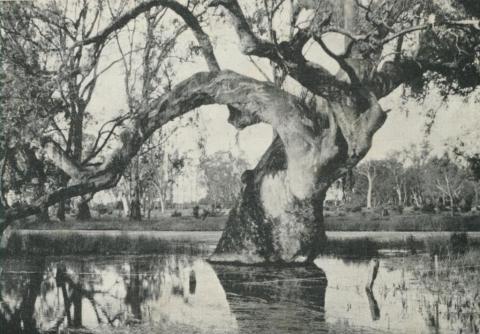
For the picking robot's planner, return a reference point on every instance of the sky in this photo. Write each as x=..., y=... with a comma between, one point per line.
x=404, y=126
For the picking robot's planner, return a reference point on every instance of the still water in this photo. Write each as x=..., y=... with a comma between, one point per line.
x=183, y=293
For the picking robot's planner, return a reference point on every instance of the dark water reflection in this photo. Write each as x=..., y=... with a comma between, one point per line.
x=185, y=294
x=280, y=300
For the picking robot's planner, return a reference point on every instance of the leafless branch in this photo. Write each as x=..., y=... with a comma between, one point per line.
x=259, y=69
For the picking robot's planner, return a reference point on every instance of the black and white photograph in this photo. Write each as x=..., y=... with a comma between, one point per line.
x=240, y=166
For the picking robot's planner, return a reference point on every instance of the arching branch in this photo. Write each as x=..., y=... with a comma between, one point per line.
x=259, y=100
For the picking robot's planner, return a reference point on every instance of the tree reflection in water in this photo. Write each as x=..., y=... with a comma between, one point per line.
x=185, y=294
x=92, y=295
x=181, y=292
x=18, y=316
x=275, y=299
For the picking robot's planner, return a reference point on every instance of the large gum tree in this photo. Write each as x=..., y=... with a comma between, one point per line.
x=387, y=44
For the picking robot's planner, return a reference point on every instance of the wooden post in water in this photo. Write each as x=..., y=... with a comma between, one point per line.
x=372, y=273
x=372, y=303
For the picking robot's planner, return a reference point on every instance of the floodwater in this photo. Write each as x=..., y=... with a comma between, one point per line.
x=183, y=293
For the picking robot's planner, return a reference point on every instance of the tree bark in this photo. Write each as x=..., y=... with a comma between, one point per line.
x=135, y=210
x=399, y=195
x=63, y=180
x=162, y=203
x=136, y=205
x=83, y=211
x=125, y=205
x=39, y=191
x=369, y=192
x=61, y=211
x=270, y=223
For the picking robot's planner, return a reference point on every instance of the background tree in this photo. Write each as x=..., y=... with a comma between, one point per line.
x=48, y=31
x=152, y=178
x=28, y=106
x=222, y=172
x=369, y=169
x=446, y=180
x=148, y=74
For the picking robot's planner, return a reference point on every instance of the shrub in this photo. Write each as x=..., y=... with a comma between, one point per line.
x=466, y=205
x=436, y=246
x=428, y=207
x=101, y=208
x=176, y=213
x=356, y=208
x=352, y=248
x=459, y=243
x=119, y=205
x=411, y=244
x=196, y=211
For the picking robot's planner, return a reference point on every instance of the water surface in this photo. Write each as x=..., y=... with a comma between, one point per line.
x=183, y=293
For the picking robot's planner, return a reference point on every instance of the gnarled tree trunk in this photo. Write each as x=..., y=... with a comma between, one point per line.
x=269, y=223
x=279, y=217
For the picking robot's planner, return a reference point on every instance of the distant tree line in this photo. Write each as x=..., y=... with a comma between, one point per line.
x=413, y=178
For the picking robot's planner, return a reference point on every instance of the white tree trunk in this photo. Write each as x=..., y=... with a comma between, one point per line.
x=162, y=204
x=369, y=191
x=126, y=206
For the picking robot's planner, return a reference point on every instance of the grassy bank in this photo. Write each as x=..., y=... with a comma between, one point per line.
x=77, y=243
x=447, y=246
x=351, y=222
x=405, y=222
x=115, y=223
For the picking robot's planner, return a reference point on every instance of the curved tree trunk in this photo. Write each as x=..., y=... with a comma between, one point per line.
x=270, y=223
